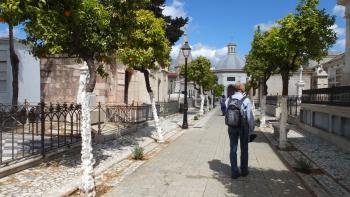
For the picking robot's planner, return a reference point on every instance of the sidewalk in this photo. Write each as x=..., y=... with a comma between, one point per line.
x=330, y=166
x=58, y=176
x=197, y=164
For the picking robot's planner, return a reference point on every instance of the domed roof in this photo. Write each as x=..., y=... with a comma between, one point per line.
x=231, y=61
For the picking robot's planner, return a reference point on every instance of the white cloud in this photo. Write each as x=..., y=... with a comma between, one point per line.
x=339, y=10
x=176, y=9
x=339, y=30
x=199, y=49
x=265, y=26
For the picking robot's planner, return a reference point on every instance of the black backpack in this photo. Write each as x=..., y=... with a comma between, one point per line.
x=233, y=117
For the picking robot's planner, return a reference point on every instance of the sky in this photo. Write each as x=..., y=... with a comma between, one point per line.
x=213, y=24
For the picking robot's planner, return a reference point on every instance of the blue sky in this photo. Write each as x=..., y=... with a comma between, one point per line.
x=212, y=25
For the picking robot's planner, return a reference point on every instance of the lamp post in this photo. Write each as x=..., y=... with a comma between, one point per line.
x=186, y=50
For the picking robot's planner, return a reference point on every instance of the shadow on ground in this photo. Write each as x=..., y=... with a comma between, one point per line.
x=259, y=182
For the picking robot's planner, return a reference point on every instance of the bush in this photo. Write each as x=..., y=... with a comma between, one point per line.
x=195, y=118
x=138, y=153
x=303, y=165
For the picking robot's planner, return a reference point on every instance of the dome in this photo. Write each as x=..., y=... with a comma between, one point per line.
x=231, y=61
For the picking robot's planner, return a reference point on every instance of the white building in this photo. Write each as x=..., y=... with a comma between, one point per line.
x=230, y=70
x=28, y=76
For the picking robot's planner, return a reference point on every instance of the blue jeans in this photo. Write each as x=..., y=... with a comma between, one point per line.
x=242, y=134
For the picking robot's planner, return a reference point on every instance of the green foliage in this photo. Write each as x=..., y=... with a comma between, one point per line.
x=78, y=28
x=299, y=37
x=138, y=153
x=219, y=90
x=195, y=118
x=146, y=44
x=199, y=71
x=173, y=26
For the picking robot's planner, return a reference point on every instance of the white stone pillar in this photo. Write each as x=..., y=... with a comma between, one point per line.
x=346, y=70
x=300, y=84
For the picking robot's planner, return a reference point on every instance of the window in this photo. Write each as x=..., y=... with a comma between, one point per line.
x=3, y=71
x=3, y=76
x=231, y=78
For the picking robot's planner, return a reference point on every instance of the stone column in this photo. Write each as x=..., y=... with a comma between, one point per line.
x=346, y=70
x=300, y=84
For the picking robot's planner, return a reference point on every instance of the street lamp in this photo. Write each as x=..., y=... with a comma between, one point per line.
x=186, y=50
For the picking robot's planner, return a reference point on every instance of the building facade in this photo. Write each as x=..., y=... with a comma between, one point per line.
x=28, y=75
x=230, y=70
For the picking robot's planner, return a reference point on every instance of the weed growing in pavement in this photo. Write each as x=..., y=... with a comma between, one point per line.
x=195, y=118
x=138, y=153
x=303, y=165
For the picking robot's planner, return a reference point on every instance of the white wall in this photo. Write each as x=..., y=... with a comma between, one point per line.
x=28, y=76
x=222, y=79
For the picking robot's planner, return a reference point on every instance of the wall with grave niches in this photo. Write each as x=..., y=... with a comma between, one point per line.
x=331, y=119
x=60, y=77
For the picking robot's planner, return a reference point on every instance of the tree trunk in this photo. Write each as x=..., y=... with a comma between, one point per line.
x=154, y=108
x=284, y=111
x=87, y=159
x=212, y=99
x=208, y=104
x=128, y=75
x=283, y=123
x=195, y=98
x=15, y=67
x=201, y=111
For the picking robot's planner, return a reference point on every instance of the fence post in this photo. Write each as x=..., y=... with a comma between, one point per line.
x=42, y=107
x=99, y=118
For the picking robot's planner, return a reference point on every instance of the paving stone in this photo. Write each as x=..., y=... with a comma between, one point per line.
x=197, y=163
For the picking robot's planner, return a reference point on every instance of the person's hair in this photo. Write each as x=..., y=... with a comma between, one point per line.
x=223, y=96
x=240, y=87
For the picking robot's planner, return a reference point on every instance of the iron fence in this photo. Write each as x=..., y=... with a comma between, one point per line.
x=28, y=130
x=293, y=104
x=272, y=100
x=339, y=96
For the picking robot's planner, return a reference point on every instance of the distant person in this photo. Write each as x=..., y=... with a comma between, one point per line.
x=240, y=120
x=223, y=104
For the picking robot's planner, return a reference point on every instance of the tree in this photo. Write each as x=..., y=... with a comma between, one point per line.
x=301, y=36
x=88, y=30
x=147, y=48
x=13, y=12
x=260, y=67
x=173, y=26
x=219, y=90
x=199, y=73
x=173, y=31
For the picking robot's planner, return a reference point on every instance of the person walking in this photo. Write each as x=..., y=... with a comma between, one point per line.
x=240, y=120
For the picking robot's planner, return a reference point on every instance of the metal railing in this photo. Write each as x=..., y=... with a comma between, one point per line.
x=339, y=96
x=272, y=100
x=293, y=104
x=27, y=130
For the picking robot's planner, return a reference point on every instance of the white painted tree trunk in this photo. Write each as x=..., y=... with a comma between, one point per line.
x=208, y=104
x=283, y=123
x=212, y=101
x=195, y=98
x=263, y=111
x=155, y=117
x=201, y=111
x=87, y=158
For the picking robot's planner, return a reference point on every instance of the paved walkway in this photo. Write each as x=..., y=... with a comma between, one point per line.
x=197, y=164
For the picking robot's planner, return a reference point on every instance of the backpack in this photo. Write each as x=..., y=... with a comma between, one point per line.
x=233, y=117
